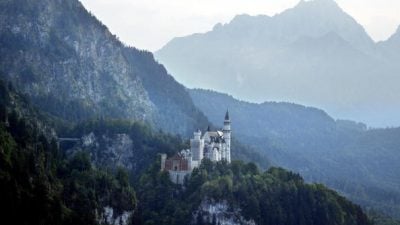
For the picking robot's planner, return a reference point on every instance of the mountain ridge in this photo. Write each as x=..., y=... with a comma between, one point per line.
x=302, y=55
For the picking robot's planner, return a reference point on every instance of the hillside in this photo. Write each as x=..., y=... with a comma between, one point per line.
x=39, y=185
x=312, y=54
x=72, y=67
x=345, y=155
x=44, y=184
x=238, y=193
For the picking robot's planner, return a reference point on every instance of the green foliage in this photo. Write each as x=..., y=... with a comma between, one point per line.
x=28, y=182
x=39, y=185
x=381, y=219
x=272, y=197
x=159, y=199
x=87, y=191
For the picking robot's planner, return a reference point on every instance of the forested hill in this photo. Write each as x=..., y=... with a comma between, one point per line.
x=345, y=155
x=41, y=183
x=72, y=67
x=239, y=193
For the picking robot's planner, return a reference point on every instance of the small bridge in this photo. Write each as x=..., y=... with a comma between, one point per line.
x=69, y=139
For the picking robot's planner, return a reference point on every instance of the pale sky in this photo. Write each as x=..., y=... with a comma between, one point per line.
x=150, y=24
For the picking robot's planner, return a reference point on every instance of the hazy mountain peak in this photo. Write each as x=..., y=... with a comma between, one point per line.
x=390, y=48
x=397, y=33
x=318, y=17
x=394, y=38
x=217, y=26
x=244, y=20
x=319, y=3
x=247, y=17
x=318, y=11
x=321, y=8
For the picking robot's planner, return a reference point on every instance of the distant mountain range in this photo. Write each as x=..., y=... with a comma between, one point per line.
x=312, y=54
x=358, y=162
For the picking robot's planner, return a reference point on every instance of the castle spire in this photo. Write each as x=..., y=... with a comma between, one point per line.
x=227, y=115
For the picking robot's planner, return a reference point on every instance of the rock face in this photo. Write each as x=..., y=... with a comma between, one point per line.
x=114, y=150
x=71, y=66
x=109, y=217
x=313, y=54
x=79, y=65
x=213, y=212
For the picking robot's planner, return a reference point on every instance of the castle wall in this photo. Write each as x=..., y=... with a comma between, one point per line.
x=163, y=160
x=178, y=177
x=197, y=149
x=177, y=164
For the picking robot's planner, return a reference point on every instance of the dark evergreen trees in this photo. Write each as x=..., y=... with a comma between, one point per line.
x=272, y=197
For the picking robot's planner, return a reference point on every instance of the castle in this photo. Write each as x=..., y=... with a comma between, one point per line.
x=213, y=145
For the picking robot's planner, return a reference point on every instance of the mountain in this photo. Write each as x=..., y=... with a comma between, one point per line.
x=45, y=184
x=391, y=47
x=312, y=54
x=317, y=18
x=72, y=67
x=85, y=84
x=345, y=155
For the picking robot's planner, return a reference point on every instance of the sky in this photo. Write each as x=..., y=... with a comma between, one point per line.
x=150, y=24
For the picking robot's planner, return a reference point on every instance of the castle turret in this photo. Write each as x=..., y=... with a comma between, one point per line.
x=227, y=137
x=197, y=146
x=163, y=159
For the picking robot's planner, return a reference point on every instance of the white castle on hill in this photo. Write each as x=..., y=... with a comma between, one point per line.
x=213, y=145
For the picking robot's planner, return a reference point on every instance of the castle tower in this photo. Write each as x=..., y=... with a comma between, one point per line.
x=163, y=159
x=197, y=146
x=227, y=137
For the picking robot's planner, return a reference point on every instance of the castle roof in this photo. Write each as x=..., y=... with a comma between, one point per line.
x=215, y=133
